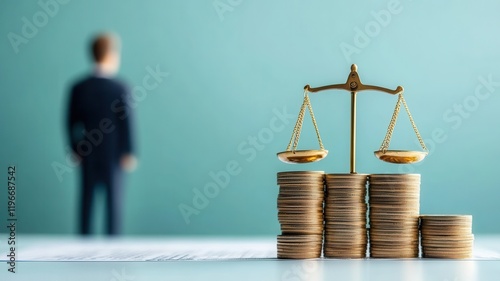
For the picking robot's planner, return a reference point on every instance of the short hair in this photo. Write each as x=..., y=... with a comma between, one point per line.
x=102, y=45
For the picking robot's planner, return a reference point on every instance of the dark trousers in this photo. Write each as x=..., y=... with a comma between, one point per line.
x=110, y=178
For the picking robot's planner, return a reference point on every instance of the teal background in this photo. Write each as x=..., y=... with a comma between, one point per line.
x=227, y=76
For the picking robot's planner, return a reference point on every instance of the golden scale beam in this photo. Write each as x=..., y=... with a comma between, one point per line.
x=354, y=85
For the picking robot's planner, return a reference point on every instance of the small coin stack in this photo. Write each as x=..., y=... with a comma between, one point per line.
x=345, y=216
x=300, y=213
x=446, y=236
x=394, y=202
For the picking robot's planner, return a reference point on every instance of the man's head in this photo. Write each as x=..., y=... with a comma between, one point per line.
x=105, y=51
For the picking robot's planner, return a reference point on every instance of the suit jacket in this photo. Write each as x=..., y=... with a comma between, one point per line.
x=99, y=121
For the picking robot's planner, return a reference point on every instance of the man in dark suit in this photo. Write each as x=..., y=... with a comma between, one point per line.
x=99, y=130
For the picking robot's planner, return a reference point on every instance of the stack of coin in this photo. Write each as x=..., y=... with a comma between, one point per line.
x=300, y=213
x=446, y=236
x=394, y=206
x=345, y=216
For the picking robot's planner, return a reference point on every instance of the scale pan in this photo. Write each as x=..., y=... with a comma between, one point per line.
x=302, y=156
x=400, y=156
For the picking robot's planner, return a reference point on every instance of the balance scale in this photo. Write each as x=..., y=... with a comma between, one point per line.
x=353, y=85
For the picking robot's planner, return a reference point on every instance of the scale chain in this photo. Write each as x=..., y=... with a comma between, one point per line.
x=314, y=123
x=294, y=140
x=414, y=125
x=296, y=129
x=299, y=127
x=392, y=124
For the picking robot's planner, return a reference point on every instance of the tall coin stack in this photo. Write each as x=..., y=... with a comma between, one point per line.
x=394, y=202
x=300, y=213
x=446, y=236
x=345, y=216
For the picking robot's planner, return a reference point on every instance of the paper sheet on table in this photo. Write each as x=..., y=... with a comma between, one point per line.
x=172, y=249
x=145, y=249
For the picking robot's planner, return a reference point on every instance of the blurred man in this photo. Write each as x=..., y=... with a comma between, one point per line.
x=99, y=129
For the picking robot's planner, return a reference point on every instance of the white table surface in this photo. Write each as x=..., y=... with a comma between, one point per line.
x=223, y=258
